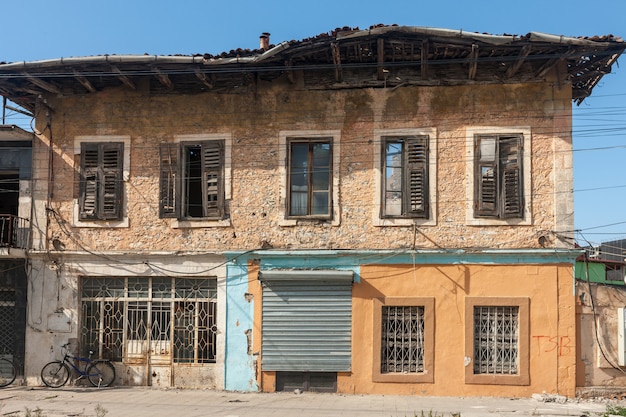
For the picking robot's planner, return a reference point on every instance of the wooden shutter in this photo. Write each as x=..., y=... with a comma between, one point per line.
x=169, y=193
x=213, y=178
x=101, y=185
x=511, y=173
x=486, y=176
x=416, y=176
x=88, y=200
x=111, y=187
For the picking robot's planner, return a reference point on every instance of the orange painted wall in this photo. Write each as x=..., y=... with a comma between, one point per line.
x=552, y=337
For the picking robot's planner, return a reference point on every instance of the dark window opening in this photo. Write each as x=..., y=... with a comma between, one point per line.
x=306, y=381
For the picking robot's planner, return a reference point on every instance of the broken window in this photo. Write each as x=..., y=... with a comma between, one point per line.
x=101, y=181
x=192, y=180
x=130, y=318
x=498, y=180
x=496, y=334
x=402, y=344
x=310, y=178
x=405, y=177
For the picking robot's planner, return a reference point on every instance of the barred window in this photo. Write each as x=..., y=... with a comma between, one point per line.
x=496, y=334
x=123, y=318
x=402, y=339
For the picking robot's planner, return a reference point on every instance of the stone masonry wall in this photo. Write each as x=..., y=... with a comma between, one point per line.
x=255, y=118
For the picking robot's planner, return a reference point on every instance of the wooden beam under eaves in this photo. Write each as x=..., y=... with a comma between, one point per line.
x=51, y=88
x=473, y=59
x=164, y=79
x=204, y=79
x=337, y=62
x=123, y=78
x=424, y=59
x=85, y=82
x=380, y=52
x=518, y=63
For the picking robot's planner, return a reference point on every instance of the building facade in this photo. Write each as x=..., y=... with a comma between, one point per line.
x=379, y=211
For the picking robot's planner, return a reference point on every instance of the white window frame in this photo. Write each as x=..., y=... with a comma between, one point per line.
x=228, y=143
x=379, y=135
x=123, y=222
x=470, y=134
x=283, y=151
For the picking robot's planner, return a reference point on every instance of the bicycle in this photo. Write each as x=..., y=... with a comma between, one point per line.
x=8, y=372
x=99, y=372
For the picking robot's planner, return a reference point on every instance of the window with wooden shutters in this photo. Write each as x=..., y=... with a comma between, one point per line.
x=101, y=181
x=498, y=186
x=192, y=180
x=405, y=176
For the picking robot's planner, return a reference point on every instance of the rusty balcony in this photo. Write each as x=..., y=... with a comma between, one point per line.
x=14, y=232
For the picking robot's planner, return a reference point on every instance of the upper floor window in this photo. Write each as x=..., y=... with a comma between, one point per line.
x=310, y=178
x=101, y=180
x=192, y=180
x=498, y=176
x=405, y=176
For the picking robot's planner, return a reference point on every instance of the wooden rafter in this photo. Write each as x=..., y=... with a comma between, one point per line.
x=520, y=60
x=123, y=78
x=424, y=59
x=164, y=79
x=204, y=79
x=42, y=84
x=380, y=55
x=473, y=58
x=337, y=61
x=85, y=82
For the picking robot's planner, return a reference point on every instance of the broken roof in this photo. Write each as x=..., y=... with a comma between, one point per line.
x=381, y=56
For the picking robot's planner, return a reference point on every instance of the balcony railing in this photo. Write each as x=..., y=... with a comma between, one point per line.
x=14, y=231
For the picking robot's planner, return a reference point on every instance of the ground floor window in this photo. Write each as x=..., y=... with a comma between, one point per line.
x=497, y=340
x=131, y=317
x=403, y=339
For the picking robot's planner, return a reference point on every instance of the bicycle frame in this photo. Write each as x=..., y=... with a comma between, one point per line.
x=70, y=359
x=99, y=372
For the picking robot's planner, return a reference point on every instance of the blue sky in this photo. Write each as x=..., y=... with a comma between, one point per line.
x=44, y=29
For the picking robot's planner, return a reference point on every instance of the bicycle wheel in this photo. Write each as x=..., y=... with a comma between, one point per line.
x=101, y=373
x=7, y=372
x=55, y=374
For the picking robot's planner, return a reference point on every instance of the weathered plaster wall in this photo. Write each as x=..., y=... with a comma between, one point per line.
x=254, y=119
x=54, y=308
x=597, y=320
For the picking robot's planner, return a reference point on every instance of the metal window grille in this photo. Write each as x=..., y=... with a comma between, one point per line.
x=402, y=339
x=122, y=317
x=496, y=334
x=7, y=321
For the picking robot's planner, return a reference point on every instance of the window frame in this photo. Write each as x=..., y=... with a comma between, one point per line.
x=173, y=195
x=201, y=222
x=523, y=337
x=428, y=303
x=123, y=170
x=429, y=218
x=473, y=166
x=284, y=219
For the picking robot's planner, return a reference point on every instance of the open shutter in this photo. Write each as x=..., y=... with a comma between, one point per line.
x=111, y=186
x=89, y=158
x=416, y=178
x=213, y=188
x=485, y=176
x=169, y=206
x=511, y=168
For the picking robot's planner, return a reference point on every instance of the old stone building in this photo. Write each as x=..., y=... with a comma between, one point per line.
x=365, y=211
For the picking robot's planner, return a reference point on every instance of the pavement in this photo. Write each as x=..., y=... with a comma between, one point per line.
x=160, y=402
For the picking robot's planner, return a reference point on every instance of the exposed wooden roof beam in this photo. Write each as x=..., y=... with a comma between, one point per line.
x=164, y=79
x=85, y=82
x=520, y=60
x=424, y=59
x=473, y=62
x=545, y=68
x=42, y=84
x=124, y=79
x=203, y=78
x=380, y=52
x=337, y=61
